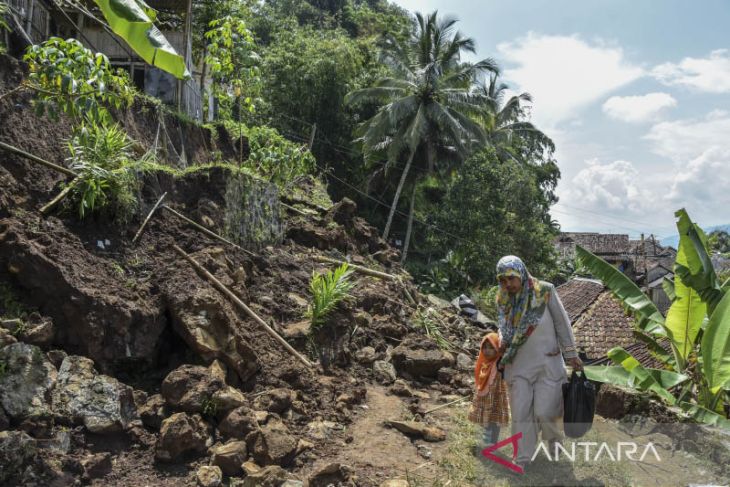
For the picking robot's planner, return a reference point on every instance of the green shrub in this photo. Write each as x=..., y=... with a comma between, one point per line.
x=69, y=78
x=107, y=171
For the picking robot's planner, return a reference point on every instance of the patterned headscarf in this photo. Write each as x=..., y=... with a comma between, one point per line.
x=521, y=313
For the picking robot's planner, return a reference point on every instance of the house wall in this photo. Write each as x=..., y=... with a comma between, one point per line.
x=34, y=17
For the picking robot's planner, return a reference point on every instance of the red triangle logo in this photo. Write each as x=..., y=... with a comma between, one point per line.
x=514, y=441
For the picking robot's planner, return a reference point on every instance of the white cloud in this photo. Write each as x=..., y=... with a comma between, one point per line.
x=702, y=186
x=641, y=108
x=710, y=74
x=684, y=140
x=565, y=73
x=608, y=188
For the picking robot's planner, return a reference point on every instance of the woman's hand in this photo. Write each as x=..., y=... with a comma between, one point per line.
x=576, y=363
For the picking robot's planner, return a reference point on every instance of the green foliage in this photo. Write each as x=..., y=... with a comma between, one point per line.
x=491, y=208
x=328, y=290
x=486, y=301
x=447, y=277
x=133, y=21
x=274, y=158
x=427, y=319
x=232, y=61
x=69, y=78
x=306, y=74
x=210, y=407
x=107, y=172
x=252, y=217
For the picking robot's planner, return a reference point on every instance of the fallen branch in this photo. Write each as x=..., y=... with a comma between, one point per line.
x=20, y=152
x=445, y=405
x=149, y=215
x=357, y=268
x=206, y=231
x=235, y=299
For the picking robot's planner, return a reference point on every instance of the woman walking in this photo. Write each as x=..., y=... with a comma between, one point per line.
x=534, y=329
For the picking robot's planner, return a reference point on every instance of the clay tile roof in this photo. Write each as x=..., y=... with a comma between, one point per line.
x=577, y=295
x=641, y=353
x=602, y=326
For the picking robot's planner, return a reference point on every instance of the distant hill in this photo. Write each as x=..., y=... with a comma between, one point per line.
x=674, y=239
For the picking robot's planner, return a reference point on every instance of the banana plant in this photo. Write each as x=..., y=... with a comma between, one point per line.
x=697, y=328
x=133, y=21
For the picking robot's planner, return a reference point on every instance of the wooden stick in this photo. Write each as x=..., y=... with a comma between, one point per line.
x=357, y=268
x=295, y=210
x=20, y=152
x=445, y=405
x=206, y=231
x=223, y=289
x=59, y=197
x=149, y=215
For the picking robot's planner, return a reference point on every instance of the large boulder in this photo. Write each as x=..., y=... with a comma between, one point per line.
x=238, y=423
x=201, y=318
x=420, y=358
x=82, y=396
x=190, y=388
x=26, y=381
x=230, y=457
x=272, y=444
x=181, y=435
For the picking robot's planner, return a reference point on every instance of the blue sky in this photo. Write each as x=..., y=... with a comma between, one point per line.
x=636, y=95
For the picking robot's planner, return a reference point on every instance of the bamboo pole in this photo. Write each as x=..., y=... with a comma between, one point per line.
x=446, y=405
x=295, y=210
x=358, y=268
x=20, y=152
x=223, y=289
x=149, y=215
x=206, y=231
x=59, y=197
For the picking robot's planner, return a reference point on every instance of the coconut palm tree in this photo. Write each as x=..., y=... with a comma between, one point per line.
x=425, y=104
x=506, y=125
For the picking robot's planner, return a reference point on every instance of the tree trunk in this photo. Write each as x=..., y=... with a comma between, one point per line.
x=409, y=230
x=396, y=198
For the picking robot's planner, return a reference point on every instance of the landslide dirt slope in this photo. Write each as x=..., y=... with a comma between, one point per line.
x=140, y=312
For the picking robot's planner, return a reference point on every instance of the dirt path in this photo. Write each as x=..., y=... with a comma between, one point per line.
x=379, y=453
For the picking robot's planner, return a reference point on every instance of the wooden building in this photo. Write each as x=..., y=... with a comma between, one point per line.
x=41, y=19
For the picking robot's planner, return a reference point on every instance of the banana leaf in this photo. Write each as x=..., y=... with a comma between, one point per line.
x=619, y=376
x=132, y=20
x=668, y=286
x=643, y=380
x=687, y=312
x=696, y=270
x=649, y=318
x=715, y=347
x=702, y=415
